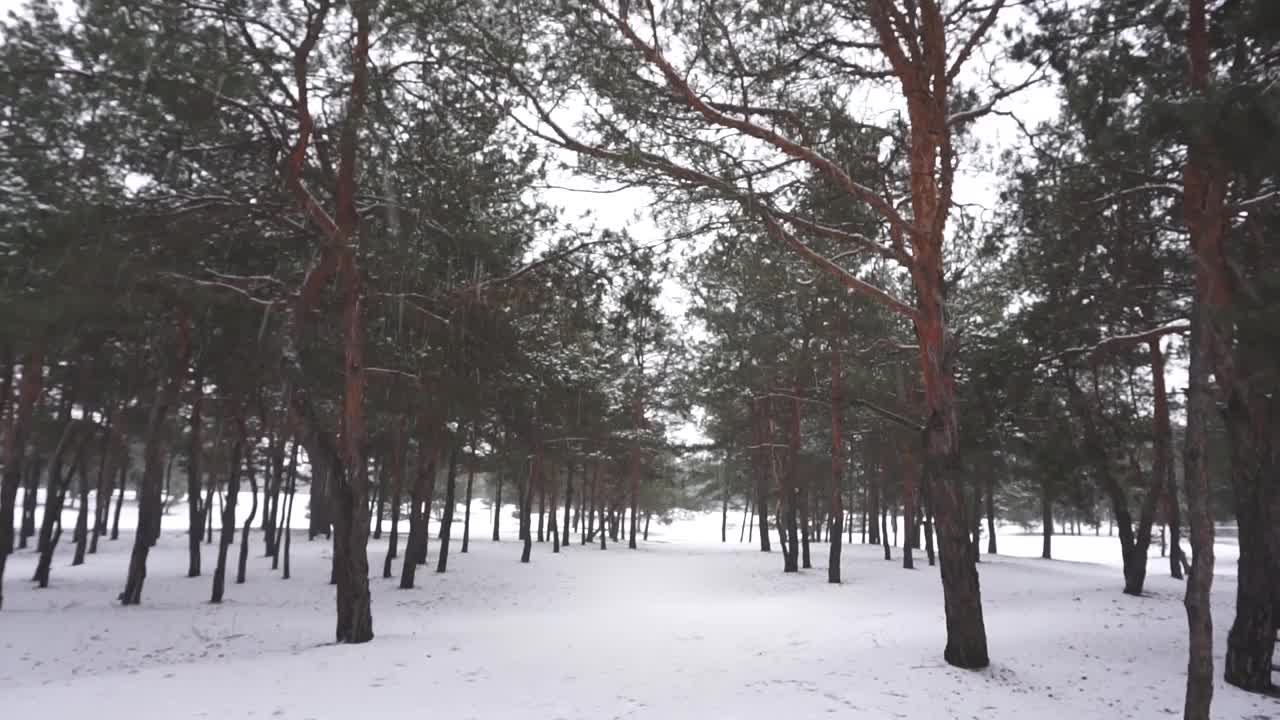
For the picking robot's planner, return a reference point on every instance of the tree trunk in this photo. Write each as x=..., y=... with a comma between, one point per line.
x=397, y=485
x=55, y=495
x=271, y=495
x=792, y=489
x=124, y=479
x=471, y=478
x=1197, y=599
x=242, y=565
x=149, y=503
x=195, y=514
x=1204, y=209
x=535, y=478
x=228, y=535
x=873, y=507
x=286, y=527
x=497, y=507
x=1252, y=420
x=379, y=498
x=81, y=533
x=420, y=496
x=637, y=421
x=14, y=450
x=909, y=481
x=836, y=508
x=542, y=511
x=30, y=497
x=1046, y=519
x=553, y=528
x=724, y=503
x=761, y=459
x=568, y=502
x=884, y=534
x=991, y=517
x=450, y=503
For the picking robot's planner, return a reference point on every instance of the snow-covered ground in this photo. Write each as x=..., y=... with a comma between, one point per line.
x=683, y=628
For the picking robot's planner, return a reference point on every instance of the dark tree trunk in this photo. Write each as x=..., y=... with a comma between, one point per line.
x=379, y=498
x=873, y=508
x=288, y=512
x=977, y=522
x=1253, y=429
x=497, y=507
x=1046, y=519
x=1199, y=584
x=55, y=495
x=242, y=565
x=759, y=466
x=526, y=504
x=149, y=504
x=837, y=471
x=124, y=480
x=30, y=497
x=397, y=485
x=552, y=528
x=195, y=513
x=81, y=533
x=637, y=421
x=884, y=534
x=991, y=517
x=909, y=482
x=450, y=502
x=724, y=505
x=590, y=533
x=747, y=518
x=271, y=496
x=15, y=445
x=228, y=535
x=106, y=471
x=466, y=511
x=542, y=510
x=792, y=489
x=420, y=496
x=568, y=502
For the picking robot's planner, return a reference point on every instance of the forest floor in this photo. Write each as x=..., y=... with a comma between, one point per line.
x=685, y=627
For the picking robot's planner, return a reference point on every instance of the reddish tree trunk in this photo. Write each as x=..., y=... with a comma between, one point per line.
x=1204, y=198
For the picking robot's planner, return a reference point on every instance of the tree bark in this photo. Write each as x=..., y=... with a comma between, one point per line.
x=1046, y=519
x=526, y=520
x=228, y=535
x=836, y=508
x=761, y=462
x=242, y=565
x=14, y=450
x=471, y=478
x=991, y=516
x=288, y=513
x=195, y=513
x=420, y=496
x=55, y=495
x=450, y=502
x=149, y=503
x=568, y=502
x=637, y=420
x=397, y=485
x=81, y=533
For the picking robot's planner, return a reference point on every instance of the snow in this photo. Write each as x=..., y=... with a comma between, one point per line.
x=685, y=627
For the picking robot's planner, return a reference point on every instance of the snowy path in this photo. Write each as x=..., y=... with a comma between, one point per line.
x=675, y=630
